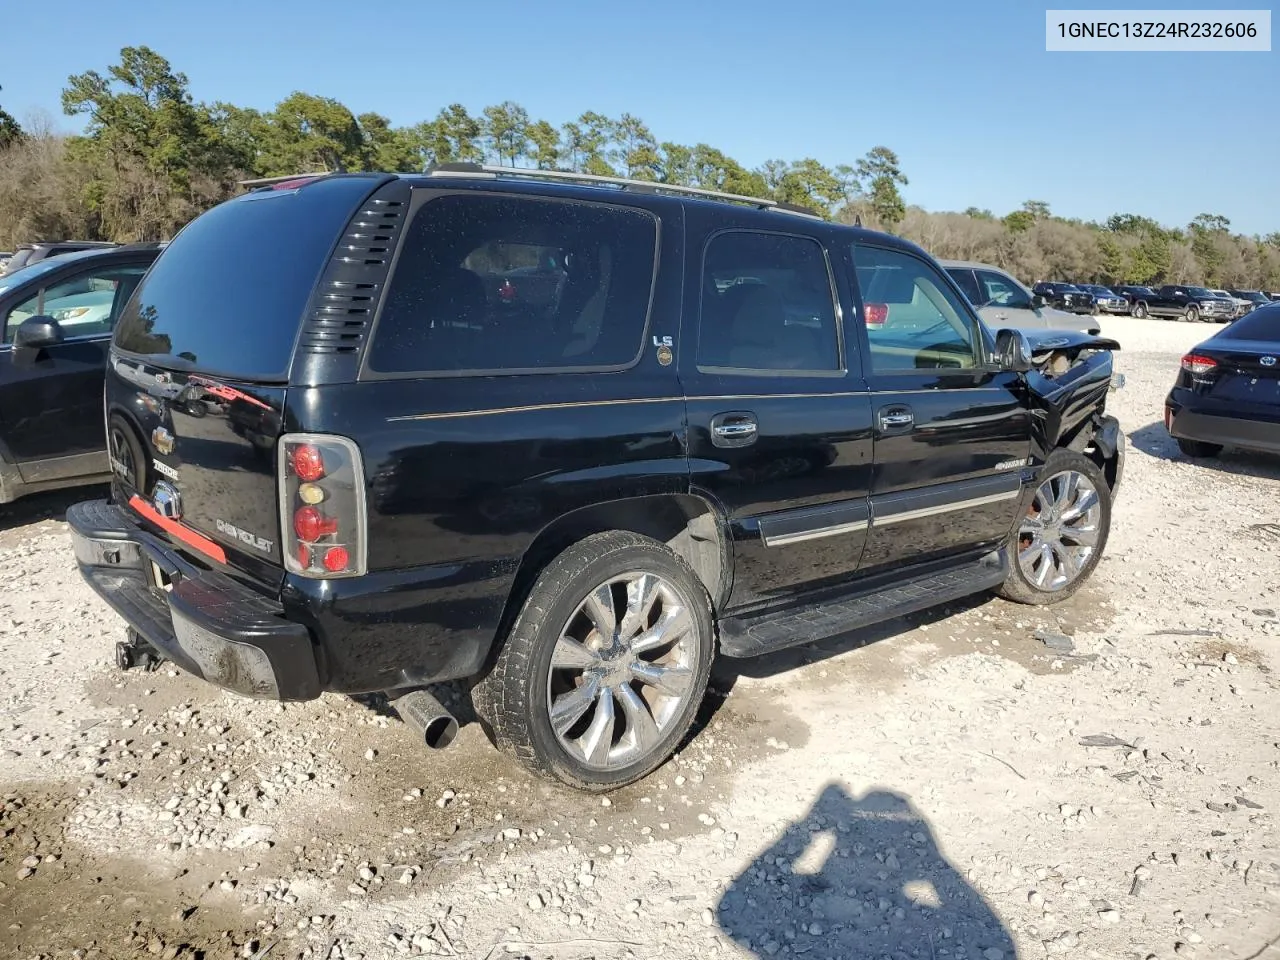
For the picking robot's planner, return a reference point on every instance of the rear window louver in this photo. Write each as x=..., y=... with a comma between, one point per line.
x=343, y=306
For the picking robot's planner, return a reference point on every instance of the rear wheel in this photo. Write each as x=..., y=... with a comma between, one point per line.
x=1192, y=314
x=127, y=459
x=1198, y=448
x=1063, y=533
x=604, y=668
x=1140, y=311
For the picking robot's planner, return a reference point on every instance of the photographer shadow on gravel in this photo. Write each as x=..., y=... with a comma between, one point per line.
x=860, y=878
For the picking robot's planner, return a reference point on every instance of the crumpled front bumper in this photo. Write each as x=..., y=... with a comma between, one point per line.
x=205, y=622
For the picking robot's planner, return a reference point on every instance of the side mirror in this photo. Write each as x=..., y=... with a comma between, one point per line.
x=37, y=332
x=1038, y=300
x=1013, y=351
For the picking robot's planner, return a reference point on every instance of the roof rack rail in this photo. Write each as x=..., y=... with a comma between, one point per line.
x=622, y=183
x=268, y=181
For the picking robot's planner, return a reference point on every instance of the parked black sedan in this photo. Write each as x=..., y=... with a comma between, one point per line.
x=56, y=316
x=1228, y=390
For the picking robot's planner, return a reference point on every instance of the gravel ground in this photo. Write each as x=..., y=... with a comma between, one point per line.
x=1098, y=779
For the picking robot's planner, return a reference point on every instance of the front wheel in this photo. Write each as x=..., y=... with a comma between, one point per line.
x=603, y=670
x=1060, y=538
x=1140, y=311
x=1192, y=314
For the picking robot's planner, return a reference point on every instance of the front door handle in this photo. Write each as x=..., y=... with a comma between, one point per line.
x=736, y=429
x=896, y=419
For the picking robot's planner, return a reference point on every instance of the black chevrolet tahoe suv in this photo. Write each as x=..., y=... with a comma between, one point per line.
x=567, y=441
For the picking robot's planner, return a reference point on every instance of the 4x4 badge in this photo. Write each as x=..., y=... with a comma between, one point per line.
x=162, y=440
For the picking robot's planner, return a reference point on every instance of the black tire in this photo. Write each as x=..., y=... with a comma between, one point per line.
x=512, y=700
x=1198, y=449
x=1140, y=311
x=1019, y=586
x=1192, y=314
x=128, y=460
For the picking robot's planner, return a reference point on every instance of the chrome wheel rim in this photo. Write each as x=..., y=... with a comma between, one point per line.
x=621, y=671
x=1060, y=532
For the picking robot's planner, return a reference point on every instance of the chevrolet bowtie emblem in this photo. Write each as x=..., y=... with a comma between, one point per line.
x=162, y=440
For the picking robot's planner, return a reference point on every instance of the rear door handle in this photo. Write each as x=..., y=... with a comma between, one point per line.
x=735, y=429
x=896, y=419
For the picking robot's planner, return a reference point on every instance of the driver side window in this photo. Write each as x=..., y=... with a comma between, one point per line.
x=914, y=321
x=999, y=291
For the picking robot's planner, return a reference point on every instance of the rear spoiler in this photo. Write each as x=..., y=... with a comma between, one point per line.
x=272, y=181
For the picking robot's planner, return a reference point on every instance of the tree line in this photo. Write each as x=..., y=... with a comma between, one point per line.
x=151, y=158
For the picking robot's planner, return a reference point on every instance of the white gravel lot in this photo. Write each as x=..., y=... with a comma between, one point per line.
x=951, y=786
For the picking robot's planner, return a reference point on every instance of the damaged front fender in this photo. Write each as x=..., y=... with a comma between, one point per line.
x=1071, y=375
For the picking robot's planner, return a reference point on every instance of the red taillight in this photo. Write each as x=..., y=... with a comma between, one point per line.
x=875, y=314
x=308, y=462
x=310, y=525
x=507, y=291
x=322, y=505
x=1198, y=365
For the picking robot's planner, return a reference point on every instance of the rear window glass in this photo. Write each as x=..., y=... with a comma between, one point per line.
x=1261, y=324
x=489, y=283
x=229, y=293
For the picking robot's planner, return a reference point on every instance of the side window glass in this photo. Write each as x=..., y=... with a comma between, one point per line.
x=999, y=291
x=23, y=311
x=965, y=281
x=767, y=304
x=84, y=306
x=504, y=283
x=913, y=320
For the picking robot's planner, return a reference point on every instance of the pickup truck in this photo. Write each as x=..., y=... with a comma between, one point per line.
x=1182, y=302
x=1065, y=296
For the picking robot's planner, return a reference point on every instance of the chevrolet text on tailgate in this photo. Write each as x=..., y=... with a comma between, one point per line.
x=565, y=439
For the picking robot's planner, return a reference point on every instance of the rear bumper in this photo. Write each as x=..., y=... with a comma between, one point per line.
x=205, y=622
x=1253, y=432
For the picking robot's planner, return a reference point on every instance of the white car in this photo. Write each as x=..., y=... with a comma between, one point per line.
x=1005, y=304
x=1242, y=306
x=80, y=314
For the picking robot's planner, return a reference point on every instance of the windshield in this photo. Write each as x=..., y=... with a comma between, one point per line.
x=1199, y=292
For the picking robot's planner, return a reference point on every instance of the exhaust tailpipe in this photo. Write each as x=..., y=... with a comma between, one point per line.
x=427, y=715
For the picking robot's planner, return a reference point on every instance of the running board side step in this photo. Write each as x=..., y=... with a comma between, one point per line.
x=871, y=601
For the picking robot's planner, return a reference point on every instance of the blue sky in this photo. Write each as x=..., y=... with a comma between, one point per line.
x=978, y=112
